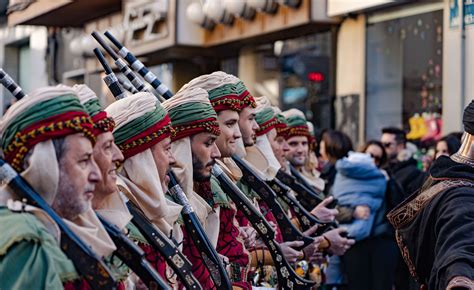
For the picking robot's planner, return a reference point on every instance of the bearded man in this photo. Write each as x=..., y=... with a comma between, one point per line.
x=48, y=138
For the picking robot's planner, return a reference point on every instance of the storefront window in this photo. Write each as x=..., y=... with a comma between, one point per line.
x=306, y=80
x=404, y=76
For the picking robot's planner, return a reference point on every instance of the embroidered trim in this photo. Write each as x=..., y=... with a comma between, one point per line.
x=144, y=140
x=247, y=100
x=22, y=139
x=407, y=211
x=106, y=124
x=462, y=159
x=267, y=126
x=461, y=281
x=225, y=103
x=297, y=131
x=210, y=126
x=406, y=256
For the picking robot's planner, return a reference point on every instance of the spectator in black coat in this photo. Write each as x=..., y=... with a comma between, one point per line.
x=402, y=166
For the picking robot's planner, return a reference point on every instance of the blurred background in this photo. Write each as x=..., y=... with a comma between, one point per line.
x=351, y=65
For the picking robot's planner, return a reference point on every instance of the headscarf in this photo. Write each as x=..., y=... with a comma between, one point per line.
x=222, y=92
x=261, y=154
x=113, y=207
x=296, y=121
x=141, y=122
x=244, y=95
x=90, y=101
x=191, y=113
x=28, y=127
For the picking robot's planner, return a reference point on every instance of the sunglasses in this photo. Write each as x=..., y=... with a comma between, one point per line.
x=387, y=144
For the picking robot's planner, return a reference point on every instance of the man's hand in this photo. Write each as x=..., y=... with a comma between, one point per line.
x=292, y=255
x=311, y=251
x=339, y=244
x=323, y=213
x=361, y=212
x=248, y=235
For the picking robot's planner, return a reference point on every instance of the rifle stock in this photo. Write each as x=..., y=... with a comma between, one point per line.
x=175, y=259
x=88, y=264
x=287, y=277
x=308, y=198
x=288, y=229
x=134, y=257
x=191, y=222
x=305, y=218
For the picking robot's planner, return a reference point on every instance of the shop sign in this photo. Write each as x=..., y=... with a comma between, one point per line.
x=144, y=20
x=454, y=17
x=468, y=13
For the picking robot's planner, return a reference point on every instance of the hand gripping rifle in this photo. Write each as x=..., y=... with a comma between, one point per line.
x=287, y=277
x=10, y=85
x=123, y=67
x=134, y=257
x=251, y=179
x=305, y=218
x=139, y=67
x=88, y=264
x=191, y=222
x=175, y=259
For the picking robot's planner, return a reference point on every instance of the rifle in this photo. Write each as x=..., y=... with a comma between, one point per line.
x=288, y=229
x=177, y=261
x=133, y=257
x=287, y=277
x=308, y=197
x=127, y=86
x=123, y=67
x=139, y=67
x=87, y=262
x=206, y=250
x=10, y=85
x=110, y=79
x=305, y=218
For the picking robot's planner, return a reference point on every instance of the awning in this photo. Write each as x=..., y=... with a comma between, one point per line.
x=59, y=13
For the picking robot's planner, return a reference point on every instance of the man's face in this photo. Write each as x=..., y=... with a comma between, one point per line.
x=248, y=126
x=392, y=148
x=163, y=158
x=205, y=152
x=230, y=132
x=106, y=155
x=279, y=146
x=78, y=176
x=298, y=150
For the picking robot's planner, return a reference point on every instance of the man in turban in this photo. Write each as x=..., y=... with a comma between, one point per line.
x=48, y=138
x=143, y=134
x=194, y=147
x=434, y=227
x=227, y=105
x=299, y=140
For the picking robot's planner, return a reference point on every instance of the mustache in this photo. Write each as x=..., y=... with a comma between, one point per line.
x=211, y=163
x=89, y=188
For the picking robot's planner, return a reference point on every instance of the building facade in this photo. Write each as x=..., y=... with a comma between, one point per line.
x=349, y=65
